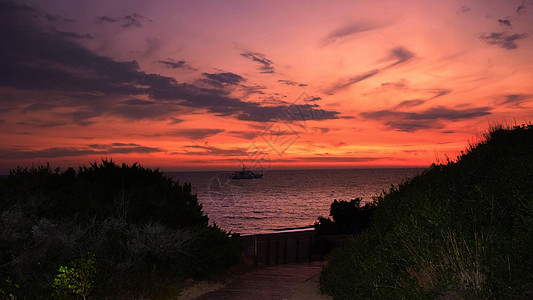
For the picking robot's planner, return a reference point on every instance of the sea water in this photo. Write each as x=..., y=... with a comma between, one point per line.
x=284, y=199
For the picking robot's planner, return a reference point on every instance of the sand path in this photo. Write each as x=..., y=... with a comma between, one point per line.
x=291, y=281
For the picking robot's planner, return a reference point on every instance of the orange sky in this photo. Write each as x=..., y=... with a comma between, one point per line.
x=202, y=85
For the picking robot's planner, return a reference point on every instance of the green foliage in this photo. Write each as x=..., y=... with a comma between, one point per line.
x=77, y=280
x=349, y=217
x=143, y=227
x=462, y=230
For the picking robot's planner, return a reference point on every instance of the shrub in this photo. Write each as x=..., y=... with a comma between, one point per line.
x=142, y=227
x=76, y=280
x=349, y=217
x=460, y=230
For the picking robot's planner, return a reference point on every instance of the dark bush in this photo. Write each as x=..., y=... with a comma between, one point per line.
x=349, y=217
x=461, y=230
x=144, y=228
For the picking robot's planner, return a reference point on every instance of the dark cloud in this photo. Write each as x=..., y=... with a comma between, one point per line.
x=409, y=104
x=173, y=64
x=195, y=133
x=516, y=100
x=301, y=112
x=253, y=89
x=292, y=83
x=402, y=84
x=136, y=109
x=57, y=19
x=312, y=99
x=322, y=129
x=440, y=92
x=503, y=40
x=105, y=19
x=345, y=31
x=221, y=80
x=95, y=149
x=426, y=119
x=347, y=82
x=504, y=22
x=400, y=55
x=520, y=9
x=464, y=9
x=210, y=150
x=174, y=121
x=75, y=35
x=331, y=158
x=247, y=135
x=62, y=73
x=42, y=123
x=133, y=20
x=267, y=66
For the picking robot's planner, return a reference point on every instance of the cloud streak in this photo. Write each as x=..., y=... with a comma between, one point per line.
x=94, y=149
x=196, y=133
x=503, y=40
x=347, y=82
x=133, y=20
x=175, y=64
x=430, y=118
x=221, y=80
x=399, y=55
x=344, y=32
x=267, y=66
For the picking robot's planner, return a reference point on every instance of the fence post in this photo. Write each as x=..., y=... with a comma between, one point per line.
x=276, y=254
x=267, y=254
x=297, y=248
x=310, y=248
x=285, y=250
x=255, y=251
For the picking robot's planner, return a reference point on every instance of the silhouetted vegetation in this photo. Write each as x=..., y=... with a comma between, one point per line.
x=460, y=230
x=142, y=231
x=349, y=217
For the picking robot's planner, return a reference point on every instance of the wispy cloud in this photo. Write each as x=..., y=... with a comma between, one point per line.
x=291, y=83
x=75, y=35
x=503, y=40
x=400, y=55
x=344, y=32
x=516, y=100
x=431, y=118
x=133, y=20
x=195, y=133
x=505, y=22
x=220, y=80
x=347, y=82
x=94, y=149
x=312, y=99
x=267, y=66
x=175, y=64
x=409, y=104
x=210, y=150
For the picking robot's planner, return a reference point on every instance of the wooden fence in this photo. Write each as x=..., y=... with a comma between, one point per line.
x=282, y=247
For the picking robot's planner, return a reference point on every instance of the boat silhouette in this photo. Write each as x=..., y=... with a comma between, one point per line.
x=245, y=174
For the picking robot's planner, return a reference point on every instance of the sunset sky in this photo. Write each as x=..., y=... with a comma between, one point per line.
x=210, y=85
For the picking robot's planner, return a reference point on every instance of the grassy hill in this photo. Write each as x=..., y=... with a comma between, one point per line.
x=460, y=230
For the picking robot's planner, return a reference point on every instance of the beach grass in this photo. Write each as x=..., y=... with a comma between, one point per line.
x=463, y=229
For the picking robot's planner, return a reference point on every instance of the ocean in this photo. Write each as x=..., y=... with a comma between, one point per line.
x=284, y=199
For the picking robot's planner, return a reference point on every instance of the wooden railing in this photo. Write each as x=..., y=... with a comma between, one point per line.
x=282, y=248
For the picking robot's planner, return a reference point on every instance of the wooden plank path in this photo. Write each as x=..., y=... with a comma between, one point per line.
x=273, y=282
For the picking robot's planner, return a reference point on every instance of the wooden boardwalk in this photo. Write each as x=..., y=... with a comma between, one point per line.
x=290, y=281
